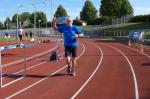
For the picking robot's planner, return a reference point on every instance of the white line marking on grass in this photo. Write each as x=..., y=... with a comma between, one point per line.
x=133, y=72
x=88, y=80
x=42, y=79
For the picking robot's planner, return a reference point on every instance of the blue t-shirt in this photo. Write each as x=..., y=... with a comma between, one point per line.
x=69, y=34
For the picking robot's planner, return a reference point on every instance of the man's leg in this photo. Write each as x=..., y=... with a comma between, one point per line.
x=20, y=37
x=73, y=63
x=74, y=54
x=68, y=60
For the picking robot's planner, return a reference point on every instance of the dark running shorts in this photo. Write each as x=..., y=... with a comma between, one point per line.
x=20, y=37
x=71, y=50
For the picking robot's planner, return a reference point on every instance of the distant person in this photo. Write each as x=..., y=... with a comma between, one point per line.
x=20, y=34
x=31, y=36
x=26, y=35
x=141, y=39
x=7, y=36
x=71, y=34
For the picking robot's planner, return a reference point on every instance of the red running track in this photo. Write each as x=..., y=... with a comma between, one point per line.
x=105, y=70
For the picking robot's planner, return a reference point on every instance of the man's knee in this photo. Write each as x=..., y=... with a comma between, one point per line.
x=68, y=59
x=74, y=59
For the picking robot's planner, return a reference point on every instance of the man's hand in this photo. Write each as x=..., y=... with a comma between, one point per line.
x=76, y=35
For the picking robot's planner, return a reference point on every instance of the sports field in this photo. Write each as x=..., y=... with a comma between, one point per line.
x=105, y=70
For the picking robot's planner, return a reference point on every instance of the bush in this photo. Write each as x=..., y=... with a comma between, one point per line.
x=140, y=18
x=77, y=22
x=99, y=21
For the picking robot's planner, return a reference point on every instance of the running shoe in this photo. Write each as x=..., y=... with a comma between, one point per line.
x=72, y=72
x=68, y=69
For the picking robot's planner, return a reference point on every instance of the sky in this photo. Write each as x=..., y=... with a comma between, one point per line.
x=9, y=7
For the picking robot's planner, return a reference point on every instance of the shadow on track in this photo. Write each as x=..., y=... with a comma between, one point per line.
x=16, y=76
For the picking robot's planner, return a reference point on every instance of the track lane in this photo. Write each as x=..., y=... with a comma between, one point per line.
x=29, y=76
x=92, y=75
x=113, y=79
x=62, y=85
x=16, y=56
x=17, y=69
x=33, y=76
x=141, y=65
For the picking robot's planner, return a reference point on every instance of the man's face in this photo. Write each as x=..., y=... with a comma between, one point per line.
x=69, y=23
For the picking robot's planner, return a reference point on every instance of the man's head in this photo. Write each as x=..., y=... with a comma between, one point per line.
x=69, y=21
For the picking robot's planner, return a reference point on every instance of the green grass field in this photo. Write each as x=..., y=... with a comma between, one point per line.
x=10, y=39
x=132, y=26
x=128, y=26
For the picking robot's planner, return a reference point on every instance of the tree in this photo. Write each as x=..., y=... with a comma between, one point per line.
x=25, y=16
x=106, y=8
x=115, y=8
x=60, y=11
x=14, y=18
x=32, y=17
x=126, y=8
x=39, y=16
x=1, y=25
x=7, y=22
x=88, y=12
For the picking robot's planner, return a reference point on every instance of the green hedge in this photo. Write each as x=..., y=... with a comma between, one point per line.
x=140, y=18
x=77, y=22
x=99, y=21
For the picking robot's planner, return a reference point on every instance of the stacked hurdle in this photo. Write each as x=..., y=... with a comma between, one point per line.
x=24, y=46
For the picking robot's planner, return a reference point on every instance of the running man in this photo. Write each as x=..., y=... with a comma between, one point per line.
x=70, y=33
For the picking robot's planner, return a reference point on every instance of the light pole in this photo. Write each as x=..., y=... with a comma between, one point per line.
x=51, y=1
x=17, y=20
x=7, y=31
x=45, y=13
x=39, y=23
x=51, y=14
x=34, y=18
x=20, y=25
x=7, y=26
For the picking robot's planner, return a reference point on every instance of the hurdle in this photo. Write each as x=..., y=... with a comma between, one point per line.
x=1, y=66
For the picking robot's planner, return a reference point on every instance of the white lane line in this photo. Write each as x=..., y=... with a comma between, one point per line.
x=29, y=58
x=26, y=69
x=33, y=66
x=133, y=72
x=88, y=80
x=135, y=50
x=9, y=83
x=42, y=79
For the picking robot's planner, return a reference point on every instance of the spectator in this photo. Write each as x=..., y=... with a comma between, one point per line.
x=20, y=33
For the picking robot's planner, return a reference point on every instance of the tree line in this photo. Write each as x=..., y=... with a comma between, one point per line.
x=25, y=19
x=89, y=13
